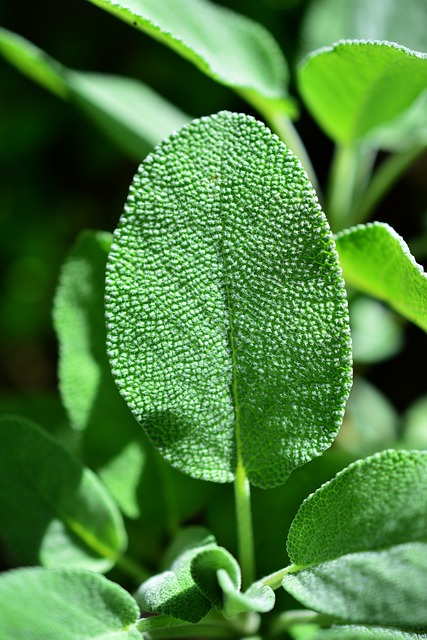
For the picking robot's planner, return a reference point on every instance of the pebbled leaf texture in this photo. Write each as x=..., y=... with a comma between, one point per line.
x=355, y=86
x=377, y=261
x=48, y=604
x=227, y=46
x=53, y=511
x=227, y=318
x=358, y=544
x=356, y=632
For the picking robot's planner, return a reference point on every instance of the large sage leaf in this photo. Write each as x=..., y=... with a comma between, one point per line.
x=53, y=511
x=129, y=112
x=358, y=544
x=227, y=319
x=345, y=632
x=353, y=87
x=377, y=261
x=47, y=604
x=227, y=46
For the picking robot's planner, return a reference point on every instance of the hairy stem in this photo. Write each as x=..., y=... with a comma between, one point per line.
x=242, y=494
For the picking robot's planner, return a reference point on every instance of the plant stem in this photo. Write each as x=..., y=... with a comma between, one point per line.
x=341, y=186
x=242, y=494
x=299, y=616
x=274, y=580
x=384, y=178
x=132, y=569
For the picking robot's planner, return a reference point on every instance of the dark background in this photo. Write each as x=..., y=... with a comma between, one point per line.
x=59, y=174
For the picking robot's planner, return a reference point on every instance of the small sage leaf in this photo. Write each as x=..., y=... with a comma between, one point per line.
x=258, y=598
x=227, y=319
x=47, y=604
x=358, y=543
x=54, y=511
x=175, y=592
x=353, y=87
x=126, y=110
x=228, y=47
x=377, y=261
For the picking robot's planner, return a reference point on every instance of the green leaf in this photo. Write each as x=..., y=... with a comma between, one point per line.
x=54, y=512
x=377, y=261
x=133, y=115
x=353, y=87
x=259, y=598
x=358, y=544
x=188, y=591
x=327, y=21
x=415, y=425
x=376, y=331
x=47, y=604
x=228, y=47
x=227, y=319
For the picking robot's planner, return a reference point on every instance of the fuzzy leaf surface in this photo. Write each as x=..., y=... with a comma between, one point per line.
x=130, y=113
x=53, y=511
x=185, y=592
x=228, y=47
x=227, y=319
x=258, y=598
x=377, y=261
x=355, y=632
x=353, y=87
x=47, y=604
x=362, y=530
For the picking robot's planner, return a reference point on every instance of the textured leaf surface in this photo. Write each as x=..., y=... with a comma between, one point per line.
x=133, y=115
x=184, y=591
x=327, y=21
x=228, y=328
x=259, y=598
x=377, y=261
x=353, y=87
x=47, y=604
x=358, y=544
x=227, y=46
x=53, y=511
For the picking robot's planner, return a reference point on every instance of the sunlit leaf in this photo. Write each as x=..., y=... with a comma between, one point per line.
x=227, y=46
x=228, y=328
x=48, y=604
x=358, y=543
x=377, y=261
x=353, y=87
x=54, y=511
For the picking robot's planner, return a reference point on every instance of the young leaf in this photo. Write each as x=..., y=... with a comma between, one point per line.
x=133, y=115
x=183, y=592
x=358, y=543
x=54, y=512
x=228, y=47
x=259, y=598
x=227, y=319
x=377, y=261
x=353, y=87
x=47, y=604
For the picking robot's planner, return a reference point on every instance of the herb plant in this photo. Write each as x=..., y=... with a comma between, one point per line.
x=205, y=358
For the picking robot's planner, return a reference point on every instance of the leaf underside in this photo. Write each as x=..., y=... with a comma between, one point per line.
x=227, y=318
x=377, y=261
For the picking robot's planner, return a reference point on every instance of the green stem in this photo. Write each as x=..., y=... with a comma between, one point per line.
x=342, y=181
x=299, y=616
x=274, y=580
x=133, y=569
x=242, y=494
x=169, y=495
x=383, y=180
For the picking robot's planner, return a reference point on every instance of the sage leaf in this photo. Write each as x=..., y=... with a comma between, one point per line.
x=358, y=543
x=377, y=261
x=415, y=424
x=130, y=113
x=176, y=592
x=54, y=511
x=258, y=598
x=327, y=21
x=228, y=47
x=227, y=319
x=376, y=331
x=353, y=87
x=47, y=604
